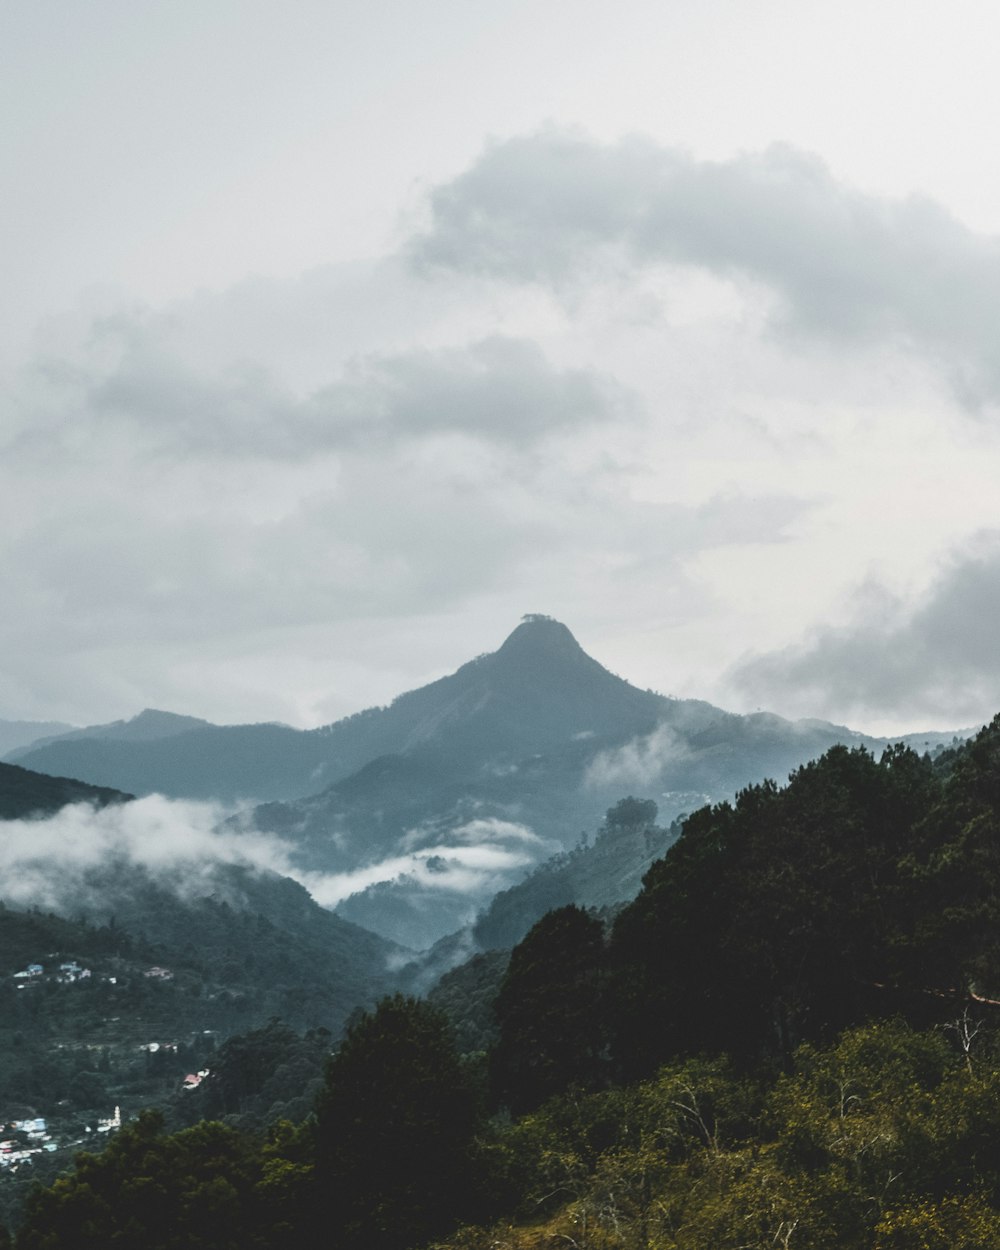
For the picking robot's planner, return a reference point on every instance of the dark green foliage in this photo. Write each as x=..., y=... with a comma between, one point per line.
x=148, y=1191
x=782, y=918
x=951, y=873
x=884, y=1140
x=774, y=920
x=394, y=1126
x=257, y=943
x=24, y=935
x=548, y=1012
x=261, y=1077
x=466, y=995
x=863, y=893
x=875, y=1143
x=262, y=937
x=631, y=813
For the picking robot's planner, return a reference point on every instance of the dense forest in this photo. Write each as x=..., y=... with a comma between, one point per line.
x=791, y=1038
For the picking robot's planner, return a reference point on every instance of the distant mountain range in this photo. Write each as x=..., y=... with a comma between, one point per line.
x=148, y=726
x=414, y=815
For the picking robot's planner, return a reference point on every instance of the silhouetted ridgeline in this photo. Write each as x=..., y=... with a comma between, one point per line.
x=24, y=793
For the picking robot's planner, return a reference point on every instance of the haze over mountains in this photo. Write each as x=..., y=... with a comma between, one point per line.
x=23, y=733
x=413, y=816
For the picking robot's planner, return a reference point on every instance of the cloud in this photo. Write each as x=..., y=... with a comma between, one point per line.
x=248, y=503
x=46, y=862
x=68, y=862
x=475, y=870
x=556, y=207
x=134, y=386
x=189, y=530
x=146, y=503
x=492, y=830
x=500, y=388
x=930, y=655
x=639, y=762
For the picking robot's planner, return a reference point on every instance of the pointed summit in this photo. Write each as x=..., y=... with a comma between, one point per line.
x=541, y=636
x=539, y=687
x=542, y=656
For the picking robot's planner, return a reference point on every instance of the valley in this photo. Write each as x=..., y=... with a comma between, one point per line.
x=166, y=950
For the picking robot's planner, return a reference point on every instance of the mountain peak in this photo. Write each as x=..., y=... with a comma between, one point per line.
x=158, y=722
x=540, y=634
x=541, y=664
x=149, y=725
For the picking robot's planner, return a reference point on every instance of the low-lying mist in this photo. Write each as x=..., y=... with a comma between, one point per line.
x=47, y=862
x=59, y=863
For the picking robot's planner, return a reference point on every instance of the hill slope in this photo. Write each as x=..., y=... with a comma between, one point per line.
x=24, y=793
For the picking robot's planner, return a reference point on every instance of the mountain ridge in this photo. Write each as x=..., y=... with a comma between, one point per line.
x=454, y=790
x=29, y=795
x=149, y=725
x=300, y=762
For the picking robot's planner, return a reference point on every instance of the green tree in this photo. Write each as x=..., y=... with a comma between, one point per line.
x=967, y=1223
x=149, y=1191
x=394, y=1127
x=631, y=813
x=550, y=1012
x=773, y=921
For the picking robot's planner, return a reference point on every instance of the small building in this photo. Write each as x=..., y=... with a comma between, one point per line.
x=112, y=1122
x=34, y=1128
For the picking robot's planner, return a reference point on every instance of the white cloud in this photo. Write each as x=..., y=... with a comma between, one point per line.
x=475, y=871
x=556, y=207
x=188, y=528
x=45, y=862
x=63, y=862
x=903, y=657
x=295, y=497
x=639, y=762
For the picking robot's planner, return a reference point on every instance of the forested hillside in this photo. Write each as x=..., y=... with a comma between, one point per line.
x=24, y=793
x=119, y=1009
x=602, y=873
x=788, y=1039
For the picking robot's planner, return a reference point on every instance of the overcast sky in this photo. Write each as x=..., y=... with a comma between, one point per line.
x=338, y=335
